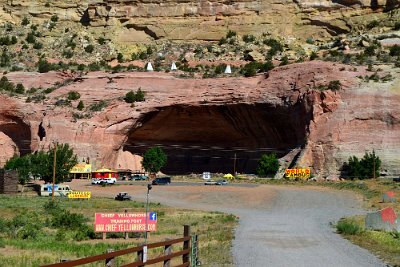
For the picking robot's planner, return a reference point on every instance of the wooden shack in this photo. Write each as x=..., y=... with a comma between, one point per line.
x=8, y=182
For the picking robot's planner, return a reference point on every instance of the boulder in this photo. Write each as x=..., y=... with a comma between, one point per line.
x=385, y=220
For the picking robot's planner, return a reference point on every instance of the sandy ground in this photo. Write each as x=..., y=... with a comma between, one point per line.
x=279, y=225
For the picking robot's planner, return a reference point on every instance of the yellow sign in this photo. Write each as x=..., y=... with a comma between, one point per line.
x=303, y=174
x=77, y=194
x=81, y=168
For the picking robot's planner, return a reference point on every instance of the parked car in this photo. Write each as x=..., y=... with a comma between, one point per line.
x=138, y=177
x=222, y=182
x=123, y=196
x=95, y=181
x=108, y=181
x=210, y=182
x=161, y=181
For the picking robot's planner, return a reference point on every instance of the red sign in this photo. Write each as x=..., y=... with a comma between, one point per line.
x=125, y=222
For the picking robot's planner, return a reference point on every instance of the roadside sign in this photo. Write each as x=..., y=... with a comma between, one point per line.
x=125, y=222
x=206, y=175
x=303, y=174
x=79, y=195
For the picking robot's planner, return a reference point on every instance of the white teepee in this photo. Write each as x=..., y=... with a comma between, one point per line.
x=149, y=67
x=173, y=66
x=228, y=69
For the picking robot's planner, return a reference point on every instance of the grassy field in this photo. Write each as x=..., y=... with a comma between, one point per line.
x=33, y=231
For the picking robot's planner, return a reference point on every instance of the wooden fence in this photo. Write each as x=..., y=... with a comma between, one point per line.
x=140, y=250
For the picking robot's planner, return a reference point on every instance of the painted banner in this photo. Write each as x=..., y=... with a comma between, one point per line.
x=298, y=173
x=77, y=194
x=81, y=168
x=125, y=222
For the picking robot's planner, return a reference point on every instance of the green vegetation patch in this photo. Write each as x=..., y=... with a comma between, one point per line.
x=35, y=231
x=384, y=244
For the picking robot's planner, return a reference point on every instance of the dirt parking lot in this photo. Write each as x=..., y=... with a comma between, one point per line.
x=278, y=226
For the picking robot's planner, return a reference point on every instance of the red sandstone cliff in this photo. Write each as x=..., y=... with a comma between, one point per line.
x=203, y=122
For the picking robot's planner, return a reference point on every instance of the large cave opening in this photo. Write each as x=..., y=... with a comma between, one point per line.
x=219, y=138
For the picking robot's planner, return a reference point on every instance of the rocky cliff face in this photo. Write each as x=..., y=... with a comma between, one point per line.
x=206, y=124
x=143, y=21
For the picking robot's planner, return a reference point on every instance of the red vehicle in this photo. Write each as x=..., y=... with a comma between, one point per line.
x=105, y=173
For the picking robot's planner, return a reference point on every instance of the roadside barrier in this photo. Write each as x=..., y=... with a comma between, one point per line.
x=141, y=252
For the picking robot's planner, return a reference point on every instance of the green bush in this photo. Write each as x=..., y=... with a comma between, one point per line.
x=73, y=95
x=54, y=18
x=62, y=218
x=347, y=227
x=37, y=45
x=89, y=49
x=310, y=40
x=313, y=55
x=222, y=41
x=31, y=38
x=25, y=21
x=367, y=167
x=120, y=58
x=372, y=24
x=230, y=34
x=20, y=89
x=284, y=61
x=370, y=50
x=268, y=165
x=395, y=51
x=44, y=66
x=101, y=41
x=138, y=96
x=248, y=38
x=80, y=106
x=396, y=26
x=275, y=45
x=98, y=106
x=334, y=85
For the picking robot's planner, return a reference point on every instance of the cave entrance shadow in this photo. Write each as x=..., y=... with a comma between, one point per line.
x=19, y=132
x=219, y=138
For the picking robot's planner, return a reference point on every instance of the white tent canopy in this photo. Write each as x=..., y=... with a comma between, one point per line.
x=149, y=67
x=228, y=69
x=173, y=66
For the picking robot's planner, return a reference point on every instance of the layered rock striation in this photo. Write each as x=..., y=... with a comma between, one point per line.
x=212, y=124
x=144, y=21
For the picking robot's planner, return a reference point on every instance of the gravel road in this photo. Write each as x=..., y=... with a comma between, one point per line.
x=291, y=229
x=278, y=226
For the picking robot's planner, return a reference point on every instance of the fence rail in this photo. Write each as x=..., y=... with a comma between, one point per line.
x=166, y=258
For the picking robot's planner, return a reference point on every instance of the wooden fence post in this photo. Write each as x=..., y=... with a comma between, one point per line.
x=110, y=261
x=167, y=251
x=140, y=254
x=126, y=233
x=186, y=244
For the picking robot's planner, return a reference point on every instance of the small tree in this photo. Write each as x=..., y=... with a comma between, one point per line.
x=154, y=159
x=130, y=97
x=367, y=167
x=20, y=89
x=73, y=95
x=40, y=164
x=80, y=106
x=268, y=165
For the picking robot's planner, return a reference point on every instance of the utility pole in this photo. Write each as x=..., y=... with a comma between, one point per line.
x=147, y=212
x=234, y=165
x=374, y=169
x=54, y=170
